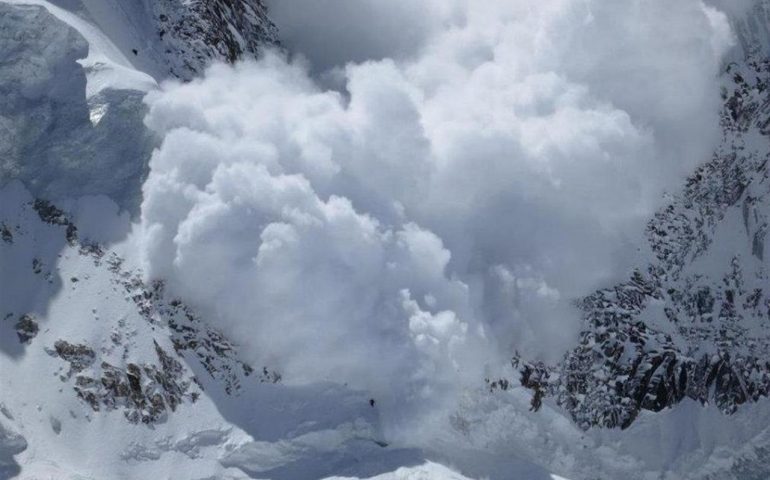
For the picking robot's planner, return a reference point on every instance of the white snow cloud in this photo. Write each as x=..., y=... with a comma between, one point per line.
x=485, y=164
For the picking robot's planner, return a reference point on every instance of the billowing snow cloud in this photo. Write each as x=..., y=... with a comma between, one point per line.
x=483, y=165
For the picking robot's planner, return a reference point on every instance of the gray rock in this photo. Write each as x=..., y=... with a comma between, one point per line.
x=26, y=328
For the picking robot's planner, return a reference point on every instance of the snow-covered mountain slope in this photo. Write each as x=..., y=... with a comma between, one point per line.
x=105, y=375
x=74, y=73
x=101, y=375
x=694, y=323
x=53, y=136
x=192, y=33
x=106, y=65
x=751, y=24
x=129, y=41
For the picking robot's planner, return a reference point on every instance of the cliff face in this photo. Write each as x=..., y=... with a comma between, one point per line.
x=694, y=322
x=195, y=32
x=84, y=70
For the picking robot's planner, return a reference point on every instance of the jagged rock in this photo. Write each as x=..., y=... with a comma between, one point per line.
x=711, y=341
x=196, y=32
x=146, y=391
x=26, y=328
x=189, y=334
x=79, y=357
x=50, y=214
x=5, y=233
x=268, y=376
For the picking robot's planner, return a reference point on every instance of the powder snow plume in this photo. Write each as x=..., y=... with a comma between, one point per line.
x=401, y=205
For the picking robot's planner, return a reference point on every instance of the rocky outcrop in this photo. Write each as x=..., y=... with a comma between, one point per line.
x=145, y=378
x=695, y=323
x=48, y=213
x=198, y=31
x=6, y=234
x=752, y=28
x=79, y=357
x=189, y=335
x=145, y=392
x=26, y=328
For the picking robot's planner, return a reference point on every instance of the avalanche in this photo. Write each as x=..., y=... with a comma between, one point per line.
x=318, y=263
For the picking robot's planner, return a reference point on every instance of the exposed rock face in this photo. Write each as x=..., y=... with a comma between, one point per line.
x=6, y=234
x=145, y=392
x=753, y=30
x=695, y=323
x=189, y=336
x=26, y=328
x=61, y=143
x=79, y=357
x=195, y=32
x=145, y=378
x=53, y=216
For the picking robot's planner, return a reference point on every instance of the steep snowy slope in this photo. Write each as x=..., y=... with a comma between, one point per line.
x=74, y=73
x=105, y=65
x=751, y=24
x=106, y=377
x=130, y=40
x=192, y=33
x=54, y=137
x=694, y=323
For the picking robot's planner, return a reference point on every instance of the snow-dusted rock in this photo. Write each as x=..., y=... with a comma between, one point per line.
x=695, y=322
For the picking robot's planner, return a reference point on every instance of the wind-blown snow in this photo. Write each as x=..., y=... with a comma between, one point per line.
x=446, y=205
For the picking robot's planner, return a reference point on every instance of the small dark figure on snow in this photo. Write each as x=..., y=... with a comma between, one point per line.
x=371, y=402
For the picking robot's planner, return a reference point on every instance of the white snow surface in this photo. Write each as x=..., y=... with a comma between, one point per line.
x=106, y=65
